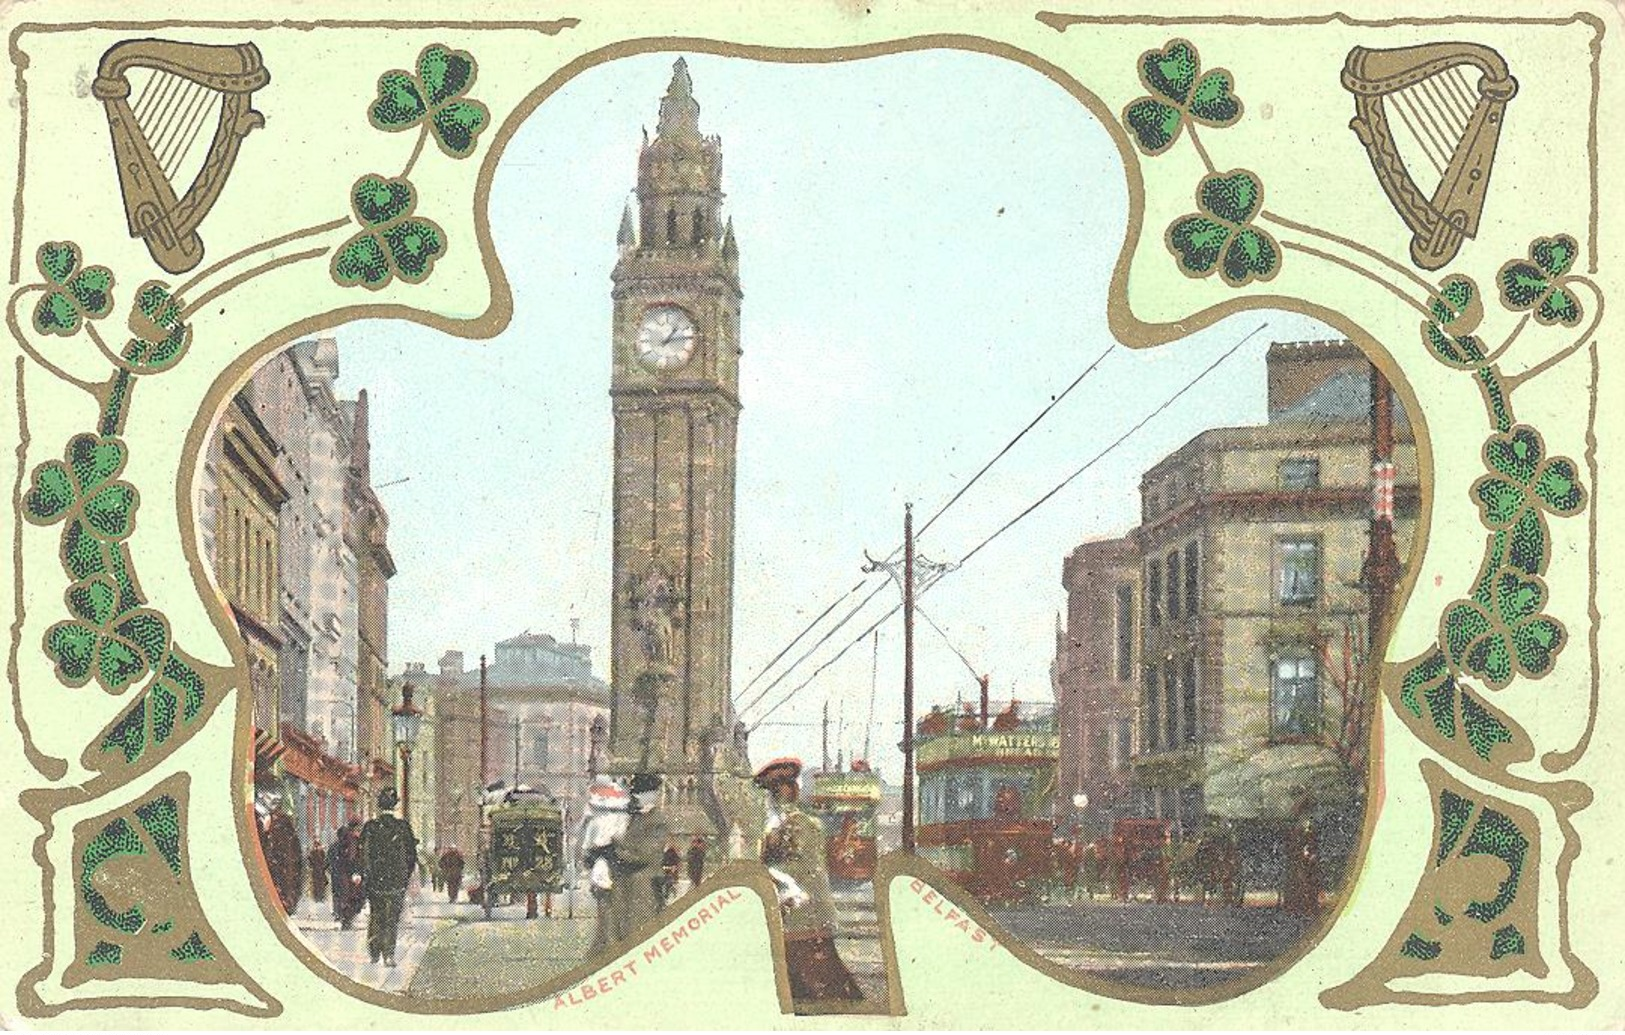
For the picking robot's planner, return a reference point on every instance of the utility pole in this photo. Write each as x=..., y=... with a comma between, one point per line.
x=908, y=678
x=516, y=752
x=485, y=733
x=930, y=572
x=1382, y=560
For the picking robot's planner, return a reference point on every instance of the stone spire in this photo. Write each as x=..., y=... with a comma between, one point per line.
x=730, y=247
x=361, y=441
x=679, y=111
x=627, y=237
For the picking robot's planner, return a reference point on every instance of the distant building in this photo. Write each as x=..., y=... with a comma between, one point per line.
x=1246, y=572
x=542, y=703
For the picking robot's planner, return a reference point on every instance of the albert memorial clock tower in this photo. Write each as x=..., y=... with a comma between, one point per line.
x=675, y=391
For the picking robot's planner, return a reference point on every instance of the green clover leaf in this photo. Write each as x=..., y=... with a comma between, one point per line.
x=1221, y=237
x=1523, y=478
x=81, y=484
x=80, y=650
x=434, y=94
x=1540, y=284
x=394, y=245
x=159, y=336
x=1179, y=93
x=1456, y=311
x=1510, y=637
x=74, y=294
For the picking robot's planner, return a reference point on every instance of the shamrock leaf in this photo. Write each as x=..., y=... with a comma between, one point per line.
x=1540, y=284
x=160, y=338
x=1179, y=93
x=1222, y=236
x=434, y=94
x=1455, y=312
x=395, y=245
x=1522, y=478
x=82, y=484
x=1508, y=637
x=116, y=649
x=73, y=294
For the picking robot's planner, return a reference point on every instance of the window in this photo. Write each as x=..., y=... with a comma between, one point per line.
x=1188, y=691
x=671, y=226
x=699, y=226
x=1153, y=593
x=1125, y=633
x=1150, y=728
x=1294, y=696
x=1125, y=742
x=1170, y=711
x=1193, y=585
x=1298, y=561
x=1299, y=473
x=1172, y=566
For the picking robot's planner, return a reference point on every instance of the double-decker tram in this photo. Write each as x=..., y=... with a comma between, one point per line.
x=986, y=797
x=846, y=803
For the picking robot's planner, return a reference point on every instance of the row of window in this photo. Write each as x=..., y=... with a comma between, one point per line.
x=1172, y=717
x=245, y=557
x=1163, y=581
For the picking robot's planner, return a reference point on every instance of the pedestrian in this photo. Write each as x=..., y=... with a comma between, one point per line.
x=793, y=849
x=696, y=861
x=451, y=872
x=318, y=872
x=635, y=896
x=284, y=857
x=603, y=824
x=671, y=866
x=344, y=872
x=388, y=857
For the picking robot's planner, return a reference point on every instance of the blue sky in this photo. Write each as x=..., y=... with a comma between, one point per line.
x=925, y=244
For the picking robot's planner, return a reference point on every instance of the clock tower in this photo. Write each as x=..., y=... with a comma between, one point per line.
x=674, y=387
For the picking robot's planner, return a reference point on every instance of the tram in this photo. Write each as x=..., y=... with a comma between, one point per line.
x=846, y=803
x=521, y=848
x=986, y=797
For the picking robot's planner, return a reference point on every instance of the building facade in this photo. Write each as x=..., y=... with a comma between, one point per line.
x=277, y=496
x=1247, y=630
x=541, y=706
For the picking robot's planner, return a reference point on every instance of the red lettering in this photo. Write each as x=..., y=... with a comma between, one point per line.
x=558, y=1003
x=679, y=933
x=705, y=914
x=733, y=894
x=916, y=885
x=693, y=923
x=604, y=986
x=952, y=913
x=978, y=935
x=619, y=978
x=631, y=965
x=588, y=992
x=666, y=944
x=930, y=897
x=651, y=954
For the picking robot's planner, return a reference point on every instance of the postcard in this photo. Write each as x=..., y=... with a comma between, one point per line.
x=857, y=513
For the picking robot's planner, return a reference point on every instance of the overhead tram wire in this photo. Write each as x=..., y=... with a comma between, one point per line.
x=1054, y=402
x=957, y=652
x=1124, y=437
x=1025, y=512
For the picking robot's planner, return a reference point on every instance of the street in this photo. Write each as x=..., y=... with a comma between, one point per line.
x=1167, y=946
x=346, y=951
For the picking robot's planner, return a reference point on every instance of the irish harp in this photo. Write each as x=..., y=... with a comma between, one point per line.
x=1451, y=125
x=160, y=97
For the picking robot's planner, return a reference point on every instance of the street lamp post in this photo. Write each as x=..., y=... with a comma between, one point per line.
x=406, y=718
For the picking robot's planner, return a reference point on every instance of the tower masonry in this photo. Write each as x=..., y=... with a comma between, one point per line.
x=674, y=388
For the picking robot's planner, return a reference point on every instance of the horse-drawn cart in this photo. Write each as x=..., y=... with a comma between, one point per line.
x=521, y=849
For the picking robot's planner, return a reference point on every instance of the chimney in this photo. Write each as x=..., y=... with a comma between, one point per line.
x=451, y=663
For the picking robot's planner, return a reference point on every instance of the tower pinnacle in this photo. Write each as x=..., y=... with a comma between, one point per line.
x=679, y=111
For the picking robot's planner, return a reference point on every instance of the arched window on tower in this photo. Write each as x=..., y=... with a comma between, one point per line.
x=699, y=226
x=671, y=226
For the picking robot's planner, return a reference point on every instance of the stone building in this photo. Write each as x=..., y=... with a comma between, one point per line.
x=242, y=496
x=281, y=460
x=542, y=704
x=1247, y=634
x=366, y=537
x=1094, y=676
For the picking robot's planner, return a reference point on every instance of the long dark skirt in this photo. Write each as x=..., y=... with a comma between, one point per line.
x=816, y=971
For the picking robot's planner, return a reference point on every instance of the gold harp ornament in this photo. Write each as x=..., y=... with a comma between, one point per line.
x=159, y=96
x=1453, y=124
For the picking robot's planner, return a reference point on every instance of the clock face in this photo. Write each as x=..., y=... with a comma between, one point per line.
x=665, y=338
